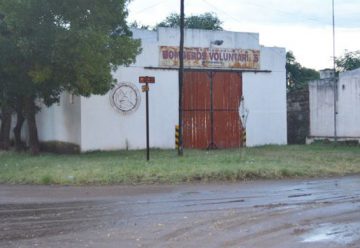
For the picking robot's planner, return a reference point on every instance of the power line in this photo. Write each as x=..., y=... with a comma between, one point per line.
x=150, y=7
x=238, y=20
x=205, y=1
x=284, y=13
x=224, y=12
x=252, y=36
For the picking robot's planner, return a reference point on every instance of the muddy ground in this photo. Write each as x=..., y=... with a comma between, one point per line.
x=296, y=213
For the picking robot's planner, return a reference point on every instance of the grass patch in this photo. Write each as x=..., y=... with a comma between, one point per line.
x=46, y=179
x=130, y=167
x=59, y=147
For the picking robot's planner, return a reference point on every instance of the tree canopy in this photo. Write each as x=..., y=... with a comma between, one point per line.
x=135, y=24
x=53, y=46
x=297, y=75
x=207, y=21
x=349, y=61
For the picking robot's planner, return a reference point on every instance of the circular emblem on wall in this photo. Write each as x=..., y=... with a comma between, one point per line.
x=125, y=98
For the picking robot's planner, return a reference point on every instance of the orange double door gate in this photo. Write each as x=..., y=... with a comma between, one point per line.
x=210, y=108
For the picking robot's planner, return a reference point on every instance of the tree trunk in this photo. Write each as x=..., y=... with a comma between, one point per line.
x=30, y=112
x=19, y=145
x=5, y=128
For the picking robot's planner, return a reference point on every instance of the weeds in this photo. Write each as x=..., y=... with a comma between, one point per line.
x=130, y=167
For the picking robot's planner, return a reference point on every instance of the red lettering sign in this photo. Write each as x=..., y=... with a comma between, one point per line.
x=146, y=79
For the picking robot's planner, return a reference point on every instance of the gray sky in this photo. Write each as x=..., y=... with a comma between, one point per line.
x=302, y=26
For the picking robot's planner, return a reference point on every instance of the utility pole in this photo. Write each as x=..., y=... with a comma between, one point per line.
x=334, y=77
x=181, y=77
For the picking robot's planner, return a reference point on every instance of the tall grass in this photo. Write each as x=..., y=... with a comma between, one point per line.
x=130, y=167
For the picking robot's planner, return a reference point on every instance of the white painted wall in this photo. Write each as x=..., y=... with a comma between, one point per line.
x=348, y=104
x=193, y=38
x=321, y=100
x=202, y=38
x=265, y=98
x=322, y=106
x=62, y=121
x=103, y=128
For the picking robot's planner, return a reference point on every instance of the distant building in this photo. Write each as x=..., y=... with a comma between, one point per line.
x=230, y=83
x=327, y=73
x=321, y=94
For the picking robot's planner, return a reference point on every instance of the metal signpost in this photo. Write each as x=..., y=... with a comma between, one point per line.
x=145, y=88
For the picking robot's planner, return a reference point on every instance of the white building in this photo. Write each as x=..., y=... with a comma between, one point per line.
x=322, y=112
x=229, y=66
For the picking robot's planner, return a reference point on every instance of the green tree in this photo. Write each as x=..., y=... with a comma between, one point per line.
x=68, y=45
x=11, y=76
x=349, y=61
x=207, y=21
x=297, y=75
x=135, y=24
x=5, y=111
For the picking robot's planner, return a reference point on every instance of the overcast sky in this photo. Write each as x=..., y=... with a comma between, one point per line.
x=302, y=26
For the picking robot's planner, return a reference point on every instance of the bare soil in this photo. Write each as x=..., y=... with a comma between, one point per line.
x=295, y=213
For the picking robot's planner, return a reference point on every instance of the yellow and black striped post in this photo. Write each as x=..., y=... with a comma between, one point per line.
x=177, y=136
x=244, y=137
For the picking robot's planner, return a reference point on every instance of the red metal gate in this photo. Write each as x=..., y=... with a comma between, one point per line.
x=211, y=110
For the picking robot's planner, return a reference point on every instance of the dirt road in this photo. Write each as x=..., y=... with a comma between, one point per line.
x=306, y=213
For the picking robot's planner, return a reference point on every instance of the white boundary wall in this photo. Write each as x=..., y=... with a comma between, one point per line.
x=348, y=102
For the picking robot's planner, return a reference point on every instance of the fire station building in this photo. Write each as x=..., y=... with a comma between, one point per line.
x=234, y=94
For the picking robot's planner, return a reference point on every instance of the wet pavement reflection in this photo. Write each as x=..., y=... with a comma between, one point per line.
x=294, y=213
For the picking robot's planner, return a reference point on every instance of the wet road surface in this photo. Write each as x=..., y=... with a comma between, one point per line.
x=296, y=213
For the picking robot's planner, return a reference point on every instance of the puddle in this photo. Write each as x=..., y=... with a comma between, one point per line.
x=189, y=193
x=299, y=195
x=339, y=233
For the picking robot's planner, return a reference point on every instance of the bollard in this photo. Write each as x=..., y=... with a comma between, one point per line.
x=177, y=136
x=244, y=137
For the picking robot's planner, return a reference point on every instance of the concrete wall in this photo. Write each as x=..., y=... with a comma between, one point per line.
x=62, y=121
x=193, y=38
x=348, y=104
x=103, y=128
x=202, y=38
x=265, y=98
x=128, y=131
x=322, y=106
x=321, y=99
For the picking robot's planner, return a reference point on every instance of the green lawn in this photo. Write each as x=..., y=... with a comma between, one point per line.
x=130, y=167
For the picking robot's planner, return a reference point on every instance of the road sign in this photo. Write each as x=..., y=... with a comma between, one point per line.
x=145, y=88
x=146, y=80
